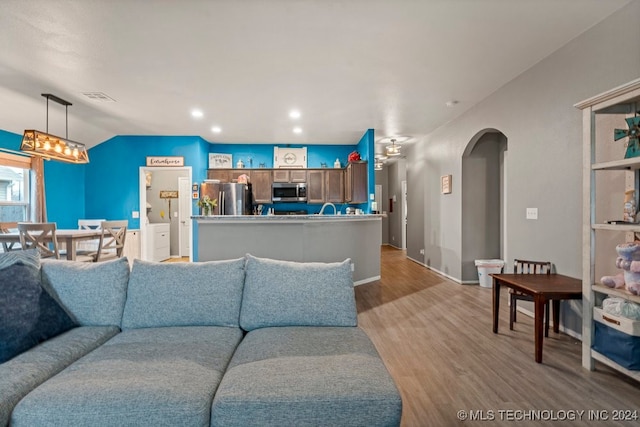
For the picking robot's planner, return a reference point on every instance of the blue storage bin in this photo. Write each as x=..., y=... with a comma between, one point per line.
x=624, y=349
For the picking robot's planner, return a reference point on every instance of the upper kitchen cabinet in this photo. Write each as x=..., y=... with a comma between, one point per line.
x=261, y=185
x=289, y=175
x=316, y=186
x=226, y=175
x=355, y=183
x=334, y=185
x=325, y=185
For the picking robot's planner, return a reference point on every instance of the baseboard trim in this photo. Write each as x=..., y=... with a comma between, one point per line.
x=562, y=328
x=367, y=280
x=453, y=279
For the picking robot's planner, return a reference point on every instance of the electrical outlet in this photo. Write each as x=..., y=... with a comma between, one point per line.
x=421, y=251
x=353, y=267
x=135, y=214
x=532, y=213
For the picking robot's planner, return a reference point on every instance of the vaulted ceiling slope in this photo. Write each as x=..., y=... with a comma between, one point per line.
x=346, y=65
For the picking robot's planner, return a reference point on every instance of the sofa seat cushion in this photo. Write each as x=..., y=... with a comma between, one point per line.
x=307, y=376
x=92, y=293
x=25, y=372
x=141, y=377
x=286, y=293
x=184, y=294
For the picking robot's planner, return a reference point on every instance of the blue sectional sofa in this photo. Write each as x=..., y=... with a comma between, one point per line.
x=243, y=342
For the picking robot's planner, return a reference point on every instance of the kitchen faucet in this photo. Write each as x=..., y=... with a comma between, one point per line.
x=335, y=212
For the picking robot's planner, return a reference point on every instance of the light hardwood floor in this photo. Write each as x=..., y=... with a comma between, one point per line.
x=435, y=337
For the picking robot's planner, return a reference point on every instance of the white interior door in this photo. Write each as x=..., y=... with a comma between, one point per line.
x=403, y=244
x=184, y=216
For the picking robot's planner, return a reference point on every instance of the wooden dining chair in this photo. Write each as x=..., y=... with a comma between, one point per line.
x=528, y=267
x=114, y=234
x=8, y=227
x=89, y=246
x=41, y=236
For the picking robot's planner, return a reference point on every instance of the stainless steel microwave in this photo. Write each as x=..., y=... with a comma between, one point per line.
x=289, y=192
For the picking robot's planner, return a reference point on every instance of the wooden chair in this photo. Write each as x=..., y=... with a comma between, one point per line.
x=41, y=236
x=89, y=246
x=114, y=234
x=528, y=267
x=7, y=227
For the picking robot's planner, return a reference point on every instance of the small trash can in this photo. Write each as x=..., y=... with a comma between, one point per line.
x=487, y=267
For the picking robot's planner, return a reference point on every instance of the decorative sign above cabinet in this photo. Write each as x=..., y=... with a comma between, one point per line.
x=286, y=157
x=220, y=161
x=166, y=161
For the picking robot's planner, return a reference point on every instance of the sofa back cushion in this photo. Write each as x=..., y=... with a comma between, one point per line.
x=93, y=293
x=286, y=293
x=28, y=314
x=184, y=294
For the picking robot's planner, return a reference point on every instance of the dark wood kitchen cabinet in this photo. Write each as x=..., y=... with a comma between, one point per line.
x=226, y=175
x=316, y=186
x=334, y=185
x=289, y=175
x=261, y=185
x=355, y=183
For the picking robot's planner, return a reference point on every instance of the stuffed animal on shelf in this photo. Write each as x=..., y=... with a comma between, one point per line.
x=629, y=261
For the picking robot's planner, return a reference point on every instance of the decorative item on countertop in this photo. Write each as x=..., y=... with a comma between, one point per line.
x=240, y=164
x=633, y=144
x=207, y=204
x=354, y=156
x=629, y=213
x=336, y=164
x=629, y=261
x=323, y=165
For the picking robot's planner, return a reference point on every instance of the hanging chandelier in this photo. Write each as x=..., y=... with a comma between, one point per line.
x=53, y=147
x=393, y=149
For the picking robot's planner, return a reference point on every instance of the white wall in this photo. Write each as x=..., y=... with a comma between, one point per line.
x=535, y=111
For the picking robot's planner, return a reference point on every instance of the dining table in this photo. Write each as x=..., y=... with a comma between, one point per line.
x=69, y=236
x=543, y=288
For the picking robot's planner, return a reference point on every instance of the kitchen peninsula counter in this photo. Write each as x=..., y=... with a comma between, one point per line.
x=321, y=238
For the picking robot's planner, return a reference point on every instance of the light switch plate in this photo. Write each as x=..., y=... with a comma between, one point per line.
x=532, y=213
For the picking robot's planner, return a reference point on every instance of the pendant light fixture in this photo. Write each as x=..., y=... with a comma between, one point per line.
x=53, y=147
x=393, y=149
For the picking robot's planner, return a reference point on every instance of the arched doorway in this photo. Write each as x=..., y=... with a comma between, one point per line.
x=483, y=200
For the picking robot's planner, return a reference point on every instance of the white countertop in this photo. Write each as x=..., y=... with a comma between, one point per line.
x=287, y=218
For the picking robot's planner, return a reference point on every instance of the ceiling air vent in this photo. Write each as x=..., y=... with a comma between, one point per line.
x=98, y=97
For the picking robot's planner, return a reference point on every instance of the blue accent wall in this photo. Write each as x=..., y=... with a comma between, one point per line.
x=367, y=151
x=252, y=155
x=112, y=177
x=108, y=187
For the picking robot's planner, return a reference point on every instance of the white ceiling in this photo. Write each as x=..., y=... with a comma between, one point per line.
x=347, y=65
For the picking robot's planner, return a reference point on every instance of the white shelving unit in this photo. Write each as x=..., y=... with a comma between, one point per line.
x=623, y=101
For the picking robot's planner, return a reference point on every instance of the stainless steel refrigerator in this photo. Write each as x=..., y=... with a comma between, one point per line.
x=233, y=199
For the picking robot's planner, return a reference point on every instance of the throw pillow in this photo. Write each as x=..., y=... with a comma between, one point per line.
x=29, y=314
x=286, y=293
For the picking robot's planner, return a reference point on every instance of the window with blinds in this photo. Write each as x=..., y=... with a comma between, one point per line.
x=14, y=187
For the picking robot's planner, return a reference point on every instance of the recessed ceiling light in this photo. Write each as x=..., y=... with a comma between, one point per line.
x=294, y=114
x=216, y=129
x=297, y=129
x=451, y=103
x=196, y=114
